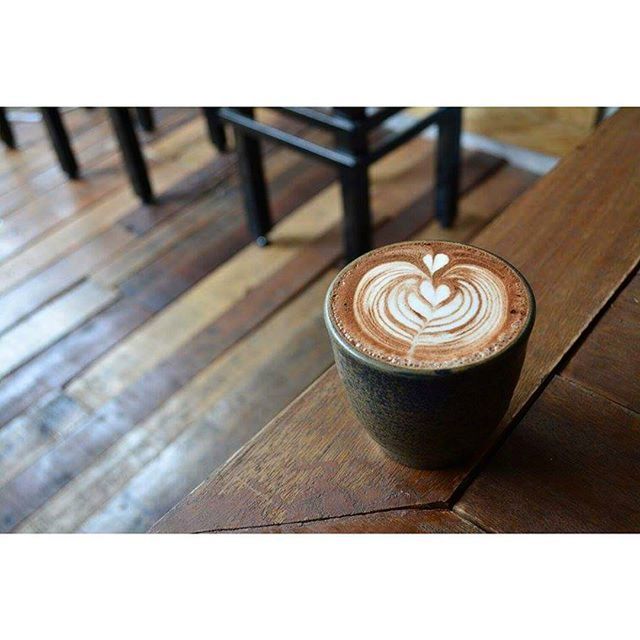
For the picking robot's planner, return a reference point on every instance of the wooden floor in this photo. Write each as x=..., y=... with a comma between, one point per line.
x=552, y=131
x=141, y=346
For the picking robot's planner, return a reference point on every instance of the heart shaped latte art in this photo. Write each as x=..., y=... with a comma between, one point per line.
x=435, y=263
x=407, y=309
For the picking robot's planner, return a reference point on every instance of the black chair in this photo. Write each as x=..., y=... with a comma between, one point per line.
x=57, y=135
x=125, y=132
x=60, y=141
x=134, y=162
x=6, y=133
x=352, y=155
x=130, y=146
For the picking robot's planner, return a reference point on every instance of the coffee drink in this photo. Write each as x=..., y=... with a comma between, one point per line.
x=431, y=305
x=429, y=340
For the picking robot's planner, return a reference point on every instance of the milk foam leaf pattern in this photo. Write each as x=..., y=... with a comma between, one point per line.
x=405, y=307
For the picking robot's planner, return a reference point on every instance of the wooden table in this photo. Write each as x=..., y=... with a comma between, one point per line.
x=566, y=458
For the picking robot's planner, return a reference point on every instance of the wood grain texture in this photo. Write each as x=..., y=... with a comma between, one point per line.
x=320, y=460
x=35, y=155
x=119, y=251
x=203, y=303
x=25, y=437
x=52, y=322
x=224, y=234
x=161, y=231
x=68, y=457
x=571, y=466
x=609, y=360
x=62, y=361
x=313, y=461
x=397, y=521
x=30, y=295
x=200, y=426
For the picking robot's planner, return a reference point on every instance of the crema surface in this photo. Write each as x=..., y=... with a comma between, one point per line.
x=429, y=304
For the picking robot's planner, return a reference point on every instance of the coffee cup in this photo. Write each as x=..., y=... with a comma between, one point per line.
x=429, y=340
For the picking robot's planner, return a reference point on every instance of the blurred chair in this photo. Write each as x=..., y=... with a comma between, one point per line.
x=57, y=135
x=352, y=155
x=128, y=141
x=60, y=141
x=123, y=126
x=145, y=118
x=6, y=134
x=130, y=146
x=134, y=162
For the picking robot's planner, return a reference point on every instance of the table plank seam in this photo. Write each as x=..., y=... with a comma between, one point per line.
x=579, y=384
x=434, y=506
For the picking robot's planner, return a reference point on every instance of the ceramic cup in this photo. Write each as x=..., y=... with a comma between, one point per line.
x=429, y=418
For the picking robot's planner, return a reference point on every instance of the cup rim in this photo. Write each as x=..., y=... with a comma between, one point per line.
x=388, y=367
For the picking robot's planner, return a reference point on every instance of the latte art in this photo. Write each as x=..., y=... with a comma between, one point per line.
x=442, y=305
x=399, y=304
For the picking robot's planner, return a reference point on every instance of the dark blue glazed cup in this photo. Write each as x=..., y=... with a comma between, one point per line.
x=429, y=419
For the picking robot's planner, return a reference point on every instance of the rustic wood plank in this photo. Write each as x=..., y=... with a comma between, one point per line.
x=397, y=521
x=608, y=362
x=61, y=362
x=52, y=322
x=237, y=277
x=570, y=466
x=213, y=219
x=25, y=437
x=198, y=307
x=326, y=467
x=596, y=191
x=31, y=294
x=224, y=234
x=161, y=231
x=99, y=217
x=480, y=205
x=222, y=407
x=65, y=360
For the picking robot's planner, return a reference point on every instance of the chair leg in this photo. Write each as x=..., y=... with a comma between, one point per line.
x=357, y=228
x=60, y=140
x=145, y=118
x=448, y=166
x=6, y=134
x=357, y=214
x=131, y=153
x=216, y=128
x=254, y=187
x=601, y=112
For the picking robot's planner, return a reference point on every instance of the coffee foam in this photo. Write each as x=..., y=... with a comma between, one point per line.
x=430, y=305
